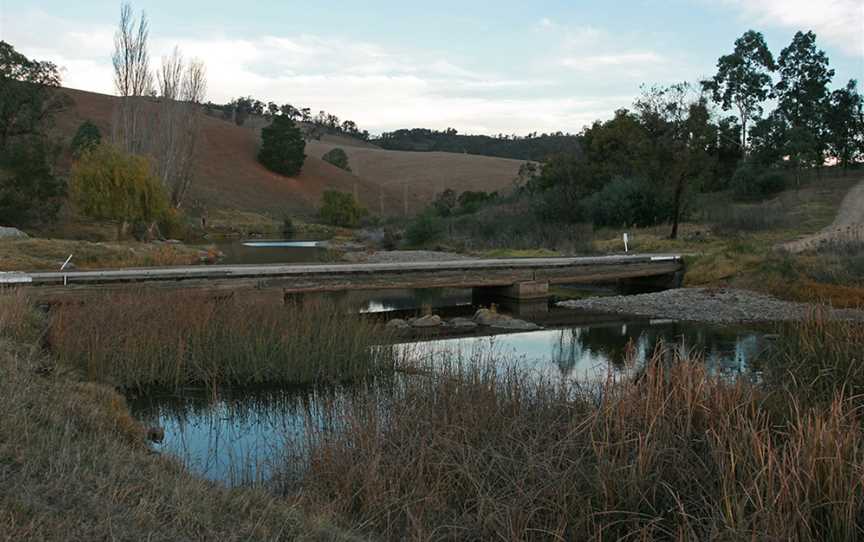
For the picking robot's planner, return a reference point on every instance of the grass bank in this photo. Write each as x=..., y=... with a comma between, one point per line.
x=135, y=340
x=74, y=464
x=676, y=453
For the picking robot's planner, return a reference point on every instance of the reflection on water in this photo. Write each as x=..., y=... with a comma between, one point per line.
x=268, y=251
x=215, y=436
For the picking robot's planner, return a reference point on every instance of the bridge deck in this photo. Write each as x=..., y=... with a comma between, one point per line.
x=335, y=277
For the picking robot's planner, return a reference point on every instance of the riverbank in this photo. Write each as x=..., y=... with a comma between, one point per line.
x=716, y=305
x=74, y=465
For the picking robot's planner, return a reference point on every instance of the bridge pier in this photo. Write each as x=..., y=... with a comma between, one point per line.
x=520, y=291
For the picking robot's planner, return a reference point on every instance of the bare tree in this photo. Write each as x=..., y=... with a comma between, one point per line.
x=182, y=88
x=133, y=78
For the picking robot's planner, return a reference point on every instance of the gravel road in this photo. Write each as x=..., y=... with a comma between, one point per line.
x=847, y=225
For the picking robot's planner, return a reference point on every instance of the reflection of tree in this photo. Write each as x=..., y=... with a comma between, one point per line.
x=567, y=350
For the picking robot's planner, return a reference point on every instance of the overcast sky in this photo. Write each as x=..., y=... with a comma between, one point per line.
x=477, y=66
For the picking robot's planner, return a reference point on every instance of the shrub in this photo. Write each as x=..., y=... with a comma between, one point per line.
x=87, y=136
x=340, y=209
x=108, y=184
x=338, y=158
x=751, y=182
x=445, y=202
x=282, y=147
x=471, y=201
x=425, y=229
x=627, y=201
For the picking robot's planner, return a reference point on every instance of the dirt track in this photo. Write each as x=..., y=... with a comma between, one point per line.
x=847, y=225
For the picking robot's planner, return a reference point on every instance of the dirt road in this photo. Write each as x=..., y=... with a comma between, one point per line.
x=847, y=225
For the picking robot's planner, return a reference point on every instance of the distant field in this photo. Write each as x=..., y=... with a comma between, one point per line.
x=423, y=174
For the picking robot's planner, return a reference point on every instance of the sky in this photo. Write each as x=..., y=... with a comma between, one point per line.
x=490, y=67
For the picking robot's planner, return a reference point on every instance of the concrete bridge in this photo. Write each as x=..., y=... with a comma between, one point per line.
x=516, y=278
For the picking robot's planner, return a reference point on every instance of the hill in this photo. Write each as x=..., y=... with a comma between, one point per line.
x=532, y=147
x=228, y=176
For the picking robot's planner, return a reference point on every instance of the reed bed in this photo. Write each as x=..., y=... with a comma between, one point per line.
x=172, y=340
x=474, y=452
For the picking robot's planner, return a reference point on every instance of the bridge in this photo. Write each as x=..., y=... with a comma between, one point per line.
x=516, y=278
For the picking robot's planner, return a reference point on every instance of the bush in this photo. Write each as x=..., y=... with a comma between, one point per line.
x=282, y=147
x=340, y=209
x=751, y=182
x=338, y=158
x=471, y=201
x=627, y=202
x=87, y=136
x=445, y=202
x=424, y=229
x=29, y=191
x=108, y=184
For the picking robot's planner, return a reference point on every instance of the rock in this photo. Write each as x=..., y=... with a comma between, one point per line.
x=155, y=434
x=430, y=320
x=462, y=323
x=12, y=233
x=397, y=323
x=514, y=324
x=486, y=317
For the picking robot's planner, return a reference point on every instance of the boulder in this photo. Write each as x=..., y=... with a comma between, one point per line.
x=462, y=323
x=486, y=317
x=397, y=323
x=12, y=233
x=430, y=320
x=514, y=324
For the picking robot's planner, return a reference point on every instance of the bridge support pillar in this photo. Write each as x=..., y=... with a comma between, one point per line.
x=527, y=290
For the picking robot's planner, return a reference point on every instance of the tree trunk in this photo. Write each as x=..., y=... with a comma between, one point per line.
x=676, y=207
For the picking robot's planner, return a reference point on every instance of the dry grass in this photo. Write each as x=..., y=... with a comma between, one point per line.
x=49, y=254
x=475, y=453
x=140, y=340
x=74, y=466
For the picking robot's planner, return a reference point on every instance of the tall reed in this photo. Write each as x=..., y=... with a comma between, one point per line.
x=474, y=453
x=136, y=340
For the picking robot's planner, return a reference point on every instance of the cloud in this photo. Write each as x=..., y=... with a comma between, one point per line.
x=838, y=22
x=637, y=60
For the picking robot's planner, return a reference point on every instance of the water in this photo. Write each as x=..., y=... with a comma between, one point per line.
x=267, y=251
x=238, y=437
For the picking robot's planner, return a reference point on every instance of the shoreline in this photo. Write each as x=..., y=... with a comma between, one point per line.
x=710, y=305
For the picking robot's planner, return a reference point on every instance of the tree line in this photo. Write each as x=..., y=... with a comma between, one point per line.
x=240, y=109
x=639, y=167
x=530, y=147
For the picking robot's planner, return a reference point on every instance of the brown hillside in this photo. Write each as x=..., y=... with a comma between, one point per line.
x=228, y=176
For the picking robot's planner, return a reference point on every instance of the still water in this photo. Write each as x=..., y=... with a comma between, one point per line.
x=267, y=251
x=237, y=437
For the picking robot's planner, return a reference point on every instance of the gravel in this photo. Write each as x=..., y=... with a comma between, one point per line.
x=724, y=305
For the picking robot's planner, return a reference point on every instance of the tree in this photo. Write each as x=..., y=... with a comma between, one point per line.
x=802, y=92
x=340, y=209
x=743, y=79
x=768, y=140
x=182, y=87
x=29, y=191
x=28, y=95
x=109, y=184
x=282, y=147
x=338, y=158
x=445, y=202
x=680, y=138
x=87, y=135
x=133, y=78
x=845, y=124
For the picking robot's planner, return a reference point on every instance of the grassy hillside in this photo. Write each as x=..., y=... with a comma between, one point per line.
x=228, y=176
x=422, y=175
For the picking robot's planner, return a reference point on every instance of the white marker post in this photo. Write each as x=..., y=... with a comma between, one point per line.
x=626, y=240
x=62, y=267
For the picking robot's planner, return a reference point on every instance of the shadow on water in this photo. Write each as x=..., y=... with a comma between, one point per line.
x=238, y=436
